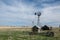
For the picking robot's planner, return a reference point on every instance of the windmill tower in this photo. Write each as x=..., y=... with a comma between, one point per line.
x=38, y=20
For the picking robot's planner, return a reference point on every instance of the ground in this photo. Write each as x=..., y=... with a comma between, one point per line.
x=13, y=33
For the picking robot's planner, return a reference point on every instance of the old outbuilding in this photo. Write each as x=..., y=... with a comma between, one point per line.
x=35, y=29
x=45, y=27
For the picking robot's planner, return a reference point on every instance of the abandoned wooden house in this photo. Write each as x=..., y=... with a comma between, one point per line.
x=35, y=29
x=45, y=27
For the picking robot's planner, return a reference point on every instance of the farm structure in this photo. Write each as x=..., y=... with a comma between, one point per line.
x=45, y=27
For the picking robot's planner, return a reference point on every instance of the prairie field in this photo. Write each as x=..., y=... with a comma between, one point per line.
x=22, y=33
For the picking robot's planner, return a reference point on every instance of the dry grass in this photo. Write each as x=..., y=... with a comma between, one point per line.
x=6, y=28
x=16, y=33
x=15, y=28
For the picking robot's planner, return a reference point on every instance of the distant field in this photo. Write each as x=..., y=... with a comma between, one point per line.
x=14, y=33
x=6, y=28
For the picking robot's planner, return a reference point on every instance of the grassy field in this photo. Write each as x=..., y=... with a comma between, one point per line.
x=23, y=34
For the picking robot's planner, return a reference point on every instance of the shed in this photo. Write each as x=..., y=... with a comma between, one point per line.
x=45, y=27
x=35, y=29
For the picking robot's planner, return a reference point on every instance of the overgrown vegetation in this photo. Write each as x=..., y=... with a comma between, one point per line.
x=23, y=35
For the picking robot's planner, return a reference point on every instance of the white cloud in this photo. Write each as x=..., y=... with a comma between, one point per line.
x=21, y=12
x=16, y=13
x=51, y=14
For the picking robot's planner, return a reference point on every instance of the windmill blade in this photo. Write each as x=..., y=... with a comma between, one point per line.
x=35, y=13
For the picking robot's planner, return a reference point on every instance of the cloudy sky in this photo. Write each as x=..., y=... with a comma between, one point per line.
x=21, y=12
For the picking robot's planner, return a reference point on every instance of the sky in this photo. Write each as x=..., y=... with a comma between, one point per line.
x=21, y=12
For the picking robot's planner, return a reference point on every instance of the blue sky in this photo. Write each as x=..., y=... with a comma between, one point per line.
x=21, y=12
